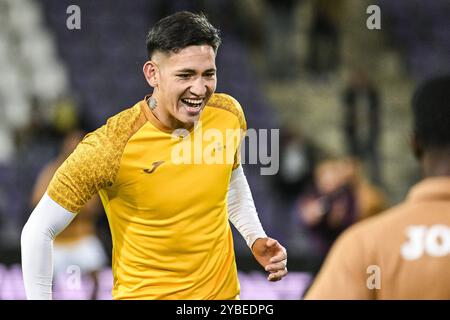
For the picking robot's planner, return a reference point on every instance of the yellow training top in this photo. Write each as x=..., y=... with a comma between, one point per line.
x=165, y=197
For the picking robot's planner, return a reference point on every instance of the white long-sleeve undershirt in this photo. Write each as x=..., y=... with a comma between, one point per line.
x=241, y=208
x=46, y=221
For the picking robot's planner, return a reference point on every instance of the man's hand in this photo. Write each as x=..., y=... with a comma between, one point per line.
x=272, y=256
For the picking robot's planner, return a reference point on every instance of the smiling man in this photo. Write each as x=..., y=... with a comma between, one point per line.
x=182, y=82
x=168, y=220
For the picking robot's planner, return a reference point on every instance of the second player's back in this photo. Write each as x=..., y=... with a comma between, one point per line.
x=410, y=244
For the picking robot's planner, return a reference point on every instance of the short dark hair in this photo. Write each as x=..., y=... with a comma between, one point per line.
x=431, y=113
x=180, y=30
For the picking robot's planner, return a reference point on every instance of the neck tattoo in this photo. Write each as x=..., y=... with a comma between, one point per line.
x=152, y=104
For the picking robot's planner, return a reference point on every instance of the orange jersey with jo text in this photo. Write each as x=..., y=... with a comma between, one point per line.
x=403, y=253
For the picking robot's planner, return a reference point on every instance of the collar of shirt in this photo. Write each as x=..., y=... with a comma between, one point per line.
x=431, y=189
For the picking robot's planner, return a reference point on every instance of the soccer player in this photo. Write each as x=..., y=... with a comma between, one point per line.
x=167, y=203
x=403, y=253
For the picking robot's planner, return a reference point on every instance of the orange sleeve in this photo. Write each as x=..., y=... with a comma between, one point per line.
x=87, y=170
x=95, y=162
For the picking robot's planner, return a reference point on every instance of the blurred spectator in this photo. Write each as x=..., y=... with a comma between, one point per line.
x=370, y=198
x=78, y=244
x=298, y=158
x=65, y=116
x=340, y=197
x=36, y=144
x=361, y=102
x=39, y=128
x=324, y=57
x=330, y=207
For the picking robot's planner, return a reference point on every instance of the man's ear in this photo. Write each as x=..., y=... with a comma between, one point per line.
x=416, y=146
x=150, y=70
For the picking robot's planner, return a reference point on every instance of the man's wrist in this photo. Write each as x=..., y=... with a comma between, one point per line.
x=253, y=240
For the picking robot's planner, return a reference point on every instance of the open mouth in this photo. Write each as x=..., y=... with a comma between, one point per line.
x=192, y=105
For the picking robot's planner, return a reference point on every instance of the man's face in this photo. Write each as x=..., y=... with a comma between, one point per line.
x=185, y=82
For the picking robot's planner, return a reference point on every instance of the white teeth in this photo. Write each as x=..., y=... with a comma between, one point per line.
x=193, y=101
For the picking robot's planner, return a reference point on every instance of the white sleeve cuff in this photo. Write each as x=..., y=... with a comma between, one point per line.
x=46, y=221
x=241, y=208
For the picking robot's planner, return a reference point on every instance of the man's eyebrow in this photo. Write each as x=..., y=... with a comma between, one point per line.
x=187, y=70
